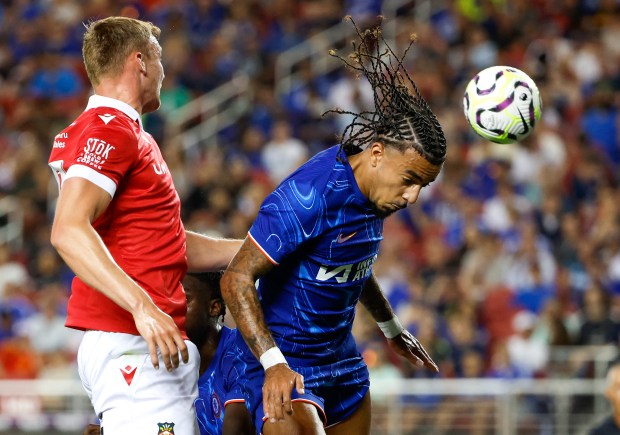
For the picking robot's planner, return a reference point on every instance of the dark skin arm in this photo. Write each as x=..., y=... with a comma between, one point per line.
x=241, y=298
x=404, y=344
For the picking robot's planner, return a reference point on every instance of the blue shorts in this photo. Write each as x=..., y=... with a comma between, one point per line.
x=337, y=389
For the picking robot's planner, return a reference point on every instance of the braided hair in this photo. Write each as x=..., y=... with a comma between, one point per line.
x=402, y=118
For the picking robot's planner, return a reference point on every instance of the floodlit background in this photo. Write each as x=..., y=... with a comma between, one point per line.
x=507, y=269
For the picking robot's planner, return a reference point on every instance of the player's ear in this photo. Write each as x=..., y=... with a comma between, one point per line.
x=377, y=149
x=215, y=307
x=140, y=58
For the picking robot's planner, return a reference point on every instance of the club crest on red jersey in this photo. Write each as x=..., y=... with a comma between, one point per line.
x=165, y=428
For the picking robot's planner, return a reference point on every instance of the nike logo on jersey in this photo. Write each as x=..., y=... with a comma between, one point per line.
x=342, y=239
x=107, y=118
x=128, y=373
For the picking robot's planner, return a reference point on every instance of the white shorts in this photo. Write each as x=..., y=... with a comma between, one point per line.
x=129, y=395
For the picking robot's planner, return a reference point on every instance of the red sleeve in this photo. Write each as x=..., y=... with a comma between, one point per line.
x=104, y=154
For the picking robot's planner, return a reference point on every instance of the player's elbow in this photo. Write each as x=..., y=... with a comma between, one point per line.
x=57, y=236
x=60, y=238
x=226, y=285
x=232, y=283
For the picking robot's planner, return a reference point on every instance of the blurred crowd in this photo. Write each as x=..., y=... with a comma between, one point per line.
x=514, y=250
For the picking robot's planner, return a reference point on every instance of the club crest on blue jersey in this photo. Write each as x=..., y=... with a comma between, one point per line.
x=165, y=428
x=216, y=405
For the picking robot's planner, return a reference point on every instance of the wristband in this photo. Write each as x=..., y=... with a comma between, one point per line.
x=271, y=357
x=391, y=328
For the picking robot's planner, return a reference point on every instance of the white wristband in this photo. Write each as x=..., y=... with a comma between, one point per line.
x=391, y=328
x=271, y=357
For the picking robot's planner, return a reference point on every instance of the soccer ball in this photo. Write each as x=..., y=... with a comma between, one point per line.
x=502, y=104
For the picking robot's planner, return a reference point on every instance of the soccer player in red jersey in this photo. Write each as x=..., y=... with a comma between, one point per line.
x=117, y=225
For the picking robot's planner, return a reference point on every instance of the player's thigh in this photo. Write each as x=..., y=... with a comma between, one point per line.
x=358, y=423
x=303, y=421
x=129, y=394
x=237, y=420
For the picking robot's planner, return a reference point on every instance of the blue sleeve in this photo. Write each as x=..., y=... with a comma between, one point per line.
x=289, y=216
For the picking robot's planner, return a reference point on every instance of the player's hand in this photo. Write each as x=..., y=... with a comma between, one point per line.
x=279, y=383
x=92, y=429
x=160, y=332
x=408, y=346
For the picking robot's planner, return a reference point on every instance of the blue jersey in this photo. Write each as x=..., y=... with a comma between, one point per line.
x=218, y=386
x=323, y=234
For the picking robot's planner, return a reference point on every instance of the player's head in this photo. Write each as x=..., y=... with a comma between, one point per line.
x=402, y=135
x=115, y=43
x=204, y=305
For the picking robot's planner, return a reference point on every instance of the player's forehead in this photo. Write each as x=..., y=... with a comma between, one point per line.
x=414, y=164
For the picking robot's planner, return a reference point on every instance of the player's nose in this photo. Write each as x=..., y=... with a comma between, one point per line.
x=412, y=193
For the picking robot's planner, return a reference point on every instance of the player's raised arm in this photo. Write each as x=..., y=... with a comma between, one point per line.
x=79, y=204
x=399, y=339
x=208, y=254
x=241, y=298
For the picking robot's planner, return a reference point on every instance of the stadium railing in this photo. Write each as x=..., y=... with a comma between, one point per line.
x=315, y=49
x=567, y=401
x=411, y=406
x=199, y=121
x=486, y=406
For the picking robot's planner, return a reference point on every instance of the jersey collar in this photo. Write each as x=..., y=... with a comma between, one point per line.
x=100, y=101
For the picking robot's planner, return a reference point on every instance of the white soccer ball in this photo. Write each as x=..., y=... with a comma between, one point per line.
x=502, y=104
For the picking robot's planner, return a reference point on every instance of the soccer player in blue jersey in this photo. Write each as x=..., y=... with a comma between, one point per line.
x=312, y=246
x=218, y=387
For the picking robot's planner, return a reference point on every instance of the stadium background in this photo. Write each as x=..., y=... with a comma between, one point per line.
x=507, y=269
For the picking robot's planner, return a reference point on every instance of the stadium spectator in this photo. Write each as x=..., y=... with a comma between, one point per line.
x=528, y=354
x=283, y=153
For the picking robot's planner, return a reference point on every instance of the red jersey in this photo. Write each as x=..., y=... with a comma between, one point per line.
x=141, y=227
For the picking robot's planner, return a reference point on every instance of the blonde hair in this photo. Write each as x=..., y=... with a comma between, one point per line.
x=109, y=41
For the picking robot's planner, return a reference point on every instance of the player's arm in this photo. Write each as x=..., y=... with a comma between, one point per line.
x=399, y=339
x=208, y=254
x=241, y=298
x=79, y=204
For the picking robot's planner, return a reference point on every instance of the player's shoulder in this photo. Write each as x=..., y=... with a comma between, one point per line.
x=228, y=338
x=110, y=121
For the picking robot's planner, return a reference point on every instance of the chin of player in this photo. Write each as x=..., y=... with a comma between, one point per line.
x=152, y=105
x=386, y=210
